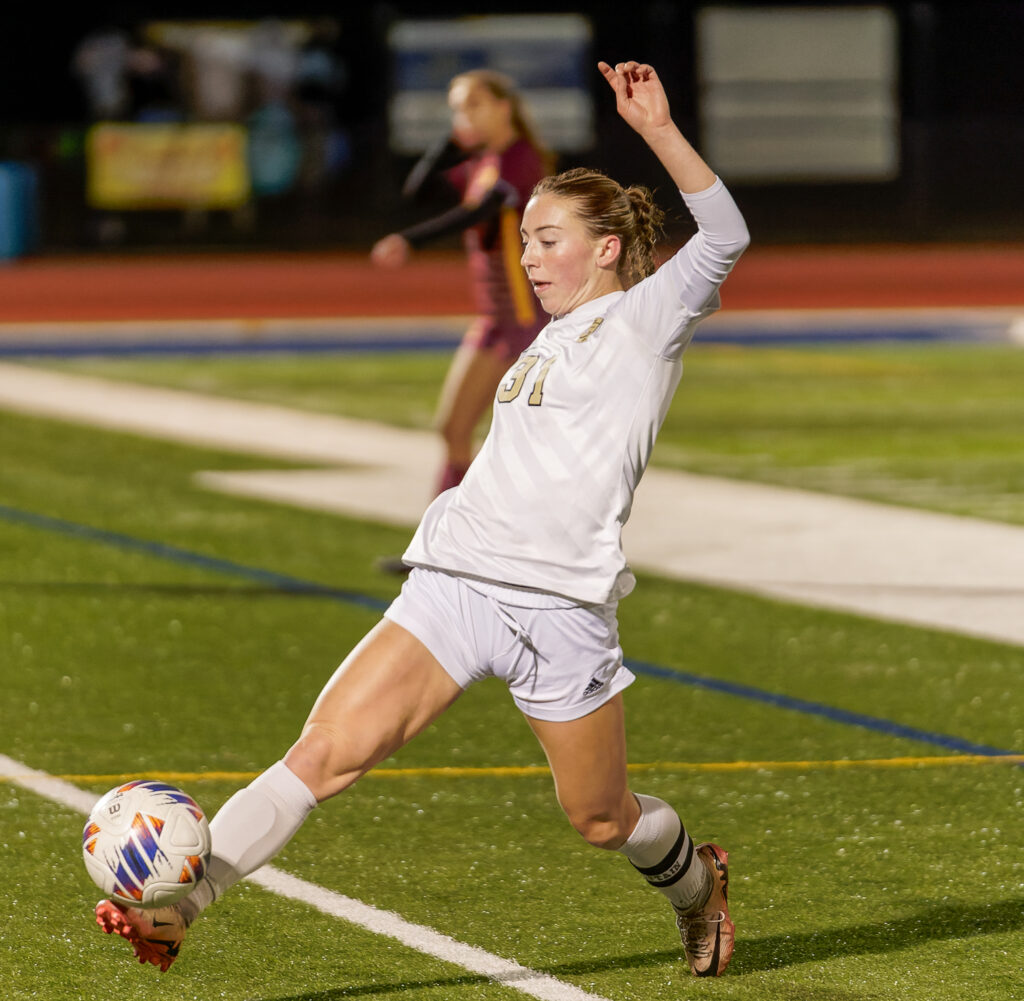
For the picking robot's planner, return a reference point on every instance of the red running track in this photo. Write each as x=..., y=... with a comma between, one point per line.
x=221, y=286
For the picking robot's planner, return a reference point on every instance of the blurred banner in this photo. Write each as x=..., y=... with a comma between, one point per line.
x=548, y=56
x=145, y=166
x=800, y=94
x=19, y=209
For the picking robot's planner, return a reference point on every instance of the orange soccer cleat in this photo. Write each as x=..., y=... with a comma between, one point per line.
x=156, y=935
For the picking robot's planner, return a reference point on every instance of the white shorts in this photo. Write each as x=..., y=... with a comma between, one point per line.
x=560, y=661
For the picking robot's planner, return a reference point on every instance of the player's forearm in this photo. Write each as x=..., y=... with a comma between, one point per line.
x=683, y=163
x=430, y=167
x=723, y=233
x=454, y=220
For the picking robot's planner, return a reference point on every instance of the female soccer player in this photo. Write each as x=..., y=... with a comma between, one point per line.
x=491, y=160
x=517, y=572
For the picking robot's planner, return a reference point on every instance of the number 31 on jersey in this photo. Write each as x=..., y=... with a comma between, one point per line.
x=513, y=384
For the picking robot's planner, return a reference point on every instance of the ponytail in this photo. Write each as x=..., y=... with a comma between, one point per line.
x=641, y=254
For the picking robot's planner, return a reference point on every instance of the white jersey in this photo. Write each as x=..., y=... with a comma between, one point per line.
x=575, y=418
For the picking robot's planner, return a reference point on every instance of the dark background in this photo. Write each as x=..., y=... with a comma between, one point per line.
x=961, y=99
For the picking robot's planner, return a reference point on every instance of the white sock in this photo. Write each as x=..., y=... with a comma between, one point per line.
x=249, y=830
x=663, y=853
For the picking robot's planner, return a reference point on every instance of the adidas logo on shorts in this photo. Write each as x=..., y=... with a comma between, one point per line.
x=592, y=688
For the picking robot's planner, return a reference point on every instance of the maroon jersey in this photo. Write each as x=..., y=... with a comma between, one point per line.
x=494, y=244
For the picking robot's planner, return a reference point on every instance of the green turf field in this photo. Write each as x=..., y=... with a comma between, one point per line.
x=150, y=626
x=933, y=426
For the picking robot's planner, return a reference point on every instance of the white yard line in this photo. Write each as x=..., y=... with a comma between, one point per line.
x=249, y=332
x=421, y=938
x=386, y=923
x=938, y=571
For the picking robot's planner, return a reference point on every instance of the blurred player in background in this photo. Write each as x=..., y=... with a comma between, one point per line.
x=518, y=571
x=491, y=160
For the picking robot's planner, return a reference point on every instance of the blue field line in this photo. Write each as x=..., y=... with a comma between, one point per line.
x=296, y=585
x=283, y=582
x=739, y=336
x=378, y=342
x=814, y=709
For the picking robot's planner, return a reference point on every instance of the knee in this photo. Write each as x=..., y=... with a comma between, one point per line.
x=601, y=828
x=322, y=759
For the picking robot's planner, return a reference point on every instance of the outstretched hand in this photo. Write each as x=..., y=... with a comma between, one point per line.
x=639, y=96
x=391, y=251
x=640, y=99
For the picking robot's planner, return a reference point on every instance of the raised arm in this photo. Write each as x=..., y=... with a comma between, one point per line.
x=640, y=99
x=685, y=288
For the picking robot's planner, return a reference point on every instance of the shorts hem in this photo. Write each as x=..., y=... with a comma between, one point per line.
x=566, y=714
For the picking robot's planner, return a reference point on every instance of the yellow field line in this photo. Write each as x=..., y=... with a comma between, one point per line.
x=943, y=761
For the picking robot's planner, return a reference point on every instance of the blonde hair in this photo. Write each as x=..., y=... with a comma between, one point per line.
x=606, y=208
x=504, y=89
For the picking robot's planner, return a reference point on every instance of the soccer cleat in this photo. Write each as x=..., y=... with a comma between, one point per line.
x=708, y=934
x=156, y=935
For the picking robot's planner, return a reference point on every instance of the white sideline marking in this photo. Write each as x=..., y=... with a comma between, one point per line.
x=419, y=937
x=47, y=786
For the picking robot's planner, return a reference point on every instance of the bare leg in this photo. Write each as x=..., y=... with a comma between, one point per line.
x=468, y=392
x=588, y=761
x=388, y=689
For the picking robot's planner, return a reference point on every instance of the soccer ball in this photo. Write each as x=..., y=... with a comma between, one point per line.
x=146, y=844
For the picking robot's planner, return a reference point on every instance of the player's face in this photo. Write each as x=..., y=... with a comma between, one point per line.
x=565, y=265
x=479, y=119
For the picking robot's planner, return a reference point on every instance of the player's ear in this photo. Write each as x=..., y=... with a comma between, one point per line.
x=609, y=249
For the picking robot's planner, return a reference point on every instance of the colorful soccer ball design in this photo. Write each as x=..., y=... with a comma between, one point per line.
x=146, y=844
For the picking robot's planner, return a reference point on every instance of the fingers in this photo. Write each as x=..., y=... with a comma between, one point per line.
x=615, y=80
x=639, y=71
x=633, y=70
x=625, y=75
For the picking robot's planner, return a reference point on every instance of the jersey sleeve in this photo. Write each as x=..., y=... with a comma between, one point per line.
x=438, y=167
x=458, y=218
x=520, y=169
x=664, y=308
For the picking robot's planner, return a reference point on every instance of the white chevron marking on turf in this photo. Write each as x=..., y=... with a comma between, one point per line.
x=419, y=937
x=939, y=571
